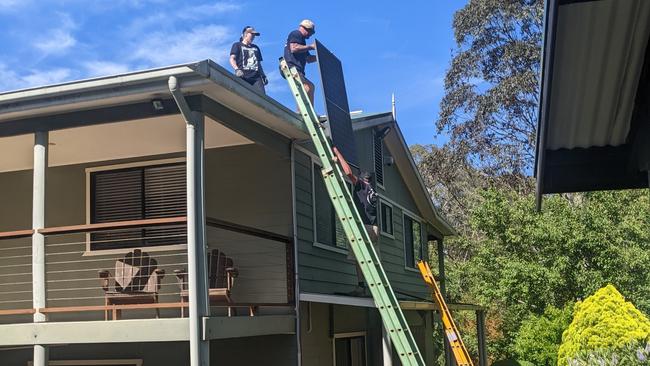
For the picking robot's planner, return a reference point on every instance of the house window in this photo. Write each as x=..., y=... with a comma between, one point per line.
x=378, y=147
x=350, y=349
x=386, y=218
x=412, y=242
x=138, y=193
x=328, y=229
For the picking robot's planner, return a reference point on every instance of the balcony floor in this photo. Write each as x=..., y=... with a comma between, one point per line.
x=142, y=330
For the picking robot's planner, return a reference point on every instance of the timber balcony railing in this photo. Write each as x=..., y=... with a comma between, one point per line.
x=138, y=269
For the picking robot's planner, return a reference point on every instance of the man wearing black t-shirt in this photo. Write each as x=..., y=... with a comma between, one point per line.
x=296, y=52
x=365, y=199
x=246, y=59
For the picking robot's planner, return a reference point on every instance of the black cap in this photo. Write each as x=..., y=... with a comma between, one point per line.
x=249, y=29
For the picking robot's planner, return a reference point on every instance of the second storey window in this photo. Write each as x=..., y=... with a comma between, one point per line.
x=413, y=247
x=328, y=229
x=138, y=193
x=386, y=218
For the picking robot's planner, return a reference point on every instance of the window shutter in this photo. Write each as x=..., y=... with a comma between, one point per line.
x=165, y=191
x=165, y=195
x=116, y=196
x=379, y=160
x=152, y=192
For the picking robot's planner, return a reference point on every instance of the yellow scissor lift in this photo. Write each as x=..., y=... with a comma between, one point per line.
x=453, y=336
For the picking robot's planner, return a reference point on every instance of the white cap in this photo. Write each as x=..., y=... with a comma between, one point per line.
x=309, y=25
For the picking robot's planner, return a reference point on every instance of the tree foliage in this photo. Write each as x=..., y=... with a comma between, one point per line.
x=604, y=321
x=515, y=261
x=490, y=103
x=519, y=261
x=539, y=336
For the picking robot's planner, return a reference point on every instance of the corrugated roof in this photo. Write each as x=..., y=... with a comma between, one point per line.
x=599, y=55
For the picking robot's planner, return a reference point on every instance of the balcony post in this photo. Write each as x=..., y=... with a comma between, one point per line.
x=41, y=147
x=387, y=347
x=480, y=331
x=196, y=243
x=449, y=361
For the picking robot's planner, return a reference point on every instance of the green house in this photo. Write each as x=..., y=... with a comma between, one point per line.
x=172, y=217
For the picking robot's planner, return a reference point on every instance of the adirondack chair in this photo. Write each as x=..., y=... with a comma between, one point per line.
x=221, y=277
x=136, y=281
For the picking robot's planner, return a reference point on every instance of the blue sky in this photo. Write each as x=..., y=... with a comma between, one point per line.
x=385, y=46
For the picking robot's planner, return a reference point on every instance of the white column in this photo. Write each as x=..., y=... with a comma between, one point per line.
x=38, y=240
x=387, y=347
x=196, y=251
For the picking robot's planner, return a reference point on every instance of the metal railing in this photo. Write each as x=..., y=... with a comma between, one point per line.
x=134, y=269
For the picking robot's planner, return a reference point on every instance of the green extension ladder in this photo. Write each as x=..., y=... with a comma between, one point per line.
x=373, y=272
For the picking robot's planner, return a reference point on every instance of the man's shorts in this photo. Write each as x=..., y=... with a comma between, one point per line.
x=303, y=78
x=373, y=232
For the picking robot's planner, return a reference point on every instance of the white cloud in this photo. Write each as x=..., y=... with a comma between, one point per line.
x=276, y=82
x=11, y=4
x=103, y=68
x=9, y=79
x=47, y=77
x=167, y=19
x=12, y=80
x=174, y=47
x=58, y=40
x=206, y=10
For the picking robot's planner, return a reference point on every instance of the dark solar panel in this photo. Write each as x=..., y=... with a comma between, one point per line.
x=336, y=103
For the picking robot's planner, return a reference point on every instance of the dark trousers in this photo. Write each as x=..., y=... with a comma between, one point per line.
x=257, y=84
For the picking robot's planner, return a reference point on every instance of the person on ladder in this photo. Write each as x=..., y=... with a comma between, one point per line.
x=296, y=53
x=365, y=199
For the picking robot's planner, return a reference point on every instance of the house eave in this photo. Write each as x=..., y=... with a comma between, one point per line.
x=204, y=77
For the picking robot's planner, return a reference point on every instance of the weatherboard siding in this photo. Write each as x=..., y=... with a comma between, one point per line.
x=330, y=272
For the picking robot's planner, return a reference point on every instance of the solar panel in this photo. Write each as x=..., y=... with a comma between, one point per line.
x=336, y=103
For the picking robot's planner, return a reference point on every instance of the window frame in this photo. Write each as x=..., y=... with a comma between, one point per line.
x=334, y=248
x=363, y=334
x=422, y=246
x=383, y=202
x=103, y=168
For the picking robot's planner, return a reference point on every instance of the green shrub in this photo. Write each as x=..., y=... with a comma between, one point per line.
x=603, y=323
x=539, y=336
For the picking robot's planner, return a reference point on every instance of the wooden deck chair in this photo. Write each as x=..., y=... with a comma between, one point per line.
x=221, y=278
x=137, y=281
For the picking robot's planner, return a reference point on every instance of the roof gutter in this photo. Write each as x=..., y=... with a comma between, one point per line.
x=196, y=77
x=546, y=79
x=53, y=99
